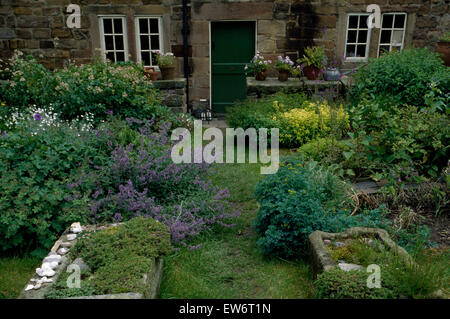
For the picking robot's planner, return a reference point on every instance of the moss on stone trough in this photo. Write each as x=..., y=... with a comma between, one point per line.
x=321, y=259
x=116, y=261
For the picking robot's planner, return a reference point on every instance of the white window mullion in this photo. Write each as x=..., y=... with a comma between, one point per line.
x=115, y=35
x=147, y=36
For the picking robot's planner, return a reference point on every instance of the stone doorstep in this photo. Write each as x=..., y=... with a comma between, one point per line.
x=321, y=259
x=152, y=279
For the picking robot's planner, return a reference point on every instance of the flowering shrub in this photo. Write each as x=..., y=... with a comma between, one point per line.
x=101, y=87
x=285, y=64
x=165, y=59
x=301, y=125
x=258, y=64
x=97, y=89
x=142, y=180
x=30, y=84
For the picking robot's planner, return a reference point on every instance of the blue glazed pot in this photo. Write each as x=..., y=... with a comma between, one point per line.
x=332, y=74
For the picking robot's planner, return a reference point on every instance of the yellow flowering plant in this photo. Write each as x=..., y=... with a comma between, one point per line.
x=316, y=119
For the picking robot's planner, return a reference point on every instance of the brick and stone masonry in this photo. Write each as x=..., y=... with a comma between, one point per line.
x=283, y=27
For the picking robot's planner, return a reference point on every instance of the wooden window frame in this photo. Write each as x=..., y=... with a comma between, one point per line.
x=367, y=44
x=138, y=36
x=392, y=29
x=124, y=33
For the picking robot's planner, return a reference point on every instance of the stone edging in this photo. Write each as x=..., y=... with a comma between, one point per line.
x=39, y=285
x=321, y=259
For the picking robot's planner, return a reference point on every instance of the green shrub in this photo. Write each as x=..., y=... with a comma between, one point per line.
x=406, y=76
x=414, y=140
x=36, y=165
x=31, y=83
x=92, y=90
x=298, y=119
x=339, y=284
x=422, y=279
x=300, y=199
x=120, y=256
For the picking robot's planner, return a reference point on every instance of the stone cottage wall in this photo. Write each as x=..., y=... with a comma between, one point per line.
x=283, y=27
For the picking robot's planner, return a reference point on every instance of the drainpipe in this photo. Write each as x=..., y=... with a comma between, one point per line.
x=185, y=31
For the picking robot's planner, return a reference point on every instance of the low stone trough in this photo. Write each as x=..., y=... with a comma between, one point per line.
x=58, y=260
x=321, y=259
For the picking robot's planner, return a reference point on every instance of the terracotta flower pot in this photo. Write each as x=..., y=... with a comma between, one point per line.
x=260, y=75
x=168, y=73
x=444, y=49
x=283, y=75
x=151, y=73
x=311, y=72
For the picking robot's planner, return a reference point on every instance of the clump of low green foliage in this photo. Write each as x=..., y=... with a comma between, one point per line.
x=120, y=256
x=340, y=284
x=399, y=278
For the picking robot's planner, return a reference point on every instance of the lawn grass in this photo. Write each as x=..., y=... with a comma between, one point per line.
x=15, y=273
x=229, y=264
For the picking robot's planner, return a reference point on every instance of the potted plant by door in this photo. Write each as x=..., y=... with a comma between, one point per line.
x=443, y=48
x=313, y=62
x=258, y=66
x=332, y=72
x=166, y=63
x=284, y=67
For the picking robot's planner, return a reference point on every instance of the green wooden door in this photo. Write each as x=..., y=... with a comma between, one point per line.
x=232, y=46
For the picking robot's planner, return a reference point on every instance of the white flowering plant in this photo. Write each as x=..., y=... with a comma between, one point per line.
x=165, y=60
x=95, y=88
x=258, y=64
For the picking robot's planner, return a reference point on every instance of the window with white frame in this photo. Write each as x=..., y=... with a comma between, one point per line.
x=392, y=35
x=149, y=39
x=114, y=38
x=357, y=37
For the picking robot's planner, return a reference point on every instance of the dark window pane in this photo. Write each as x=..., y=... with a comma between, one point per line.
x=155, y=42
x=385, y=36
x=118, y=26
x=351, y=36
x=145, y=58
x=120, y=56
x=119, y=42
x=110, y=56
x=143, y=26
x=107, y=25
x=399, y=21
x=361, y=51
x=350, y=52
x=154, y=58
x=383, y=49
x=144, y=42
x=109, y=45
x=363, y=22
x=353, y=22
x=387, y=20
x=154, y=28
x=362, y=36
